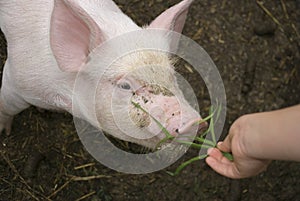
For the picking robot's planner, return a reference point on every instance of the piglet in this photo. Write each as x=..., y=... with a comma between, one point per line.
x=51, y=41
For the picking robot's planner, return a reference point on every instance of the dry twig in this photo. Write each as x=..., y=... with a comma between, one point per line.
x=260, y=3
x=29, y=189
x=86, y=196
x=84, y=166
x=76, y=178
x=59, y=189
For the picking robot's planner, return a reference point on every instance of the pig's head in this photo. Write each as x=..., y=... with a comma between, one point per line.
x=145, y=80
x=138, y=89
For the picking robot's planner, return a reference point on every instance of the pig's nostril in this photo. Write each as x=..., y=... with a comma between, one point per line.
x=177, y=130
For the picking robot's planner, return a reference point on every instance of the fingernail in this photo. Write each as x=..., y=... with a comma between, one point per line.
x=209, y=150
x=210, y=161
x=219, y=143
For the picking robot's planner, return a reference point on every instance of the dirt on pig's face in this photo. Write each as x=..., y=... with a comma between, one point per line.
x=146, y=79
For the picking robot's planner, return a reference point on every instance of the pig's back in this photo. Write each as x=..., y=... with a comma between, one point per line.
x=26, y=18
x=25, y=25
x=21, y=16
x=31, y=67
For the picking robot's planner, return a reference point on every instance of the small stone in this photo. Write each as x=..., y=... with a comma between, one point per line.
x=246, y=88
x=263, y=29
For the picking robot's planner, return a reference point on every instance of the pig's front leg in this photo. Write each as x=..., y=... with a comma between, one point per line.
x=10, y=102
x=5, y=121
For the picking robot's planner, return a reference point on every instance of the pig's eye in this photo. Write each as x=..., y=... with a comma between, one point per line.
x=124, y=85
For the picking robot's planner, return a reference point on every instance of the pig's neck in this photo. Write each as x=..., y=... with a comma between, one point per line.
x=113, y=23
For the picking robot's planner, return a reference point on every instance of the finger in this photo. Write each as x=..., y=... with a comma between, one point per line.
x=227, y=169
x=217, y=154
x=225, y=146
x=217, y=161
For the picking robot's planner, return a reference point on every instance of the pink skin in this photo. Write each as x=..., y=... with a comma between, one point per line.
x=67, y=31
x=173, y=18
x=175, y=117
x=71, y=45
x=127, y=122
x=255, y=140
x=71, y=48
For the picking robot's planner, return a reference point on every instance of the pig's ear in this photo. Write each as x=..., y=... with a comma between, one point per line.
x=73, y=35
x=173, y=18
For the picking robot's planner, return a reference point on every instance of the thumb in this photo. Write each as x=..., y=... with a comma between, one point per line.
x=225, y=146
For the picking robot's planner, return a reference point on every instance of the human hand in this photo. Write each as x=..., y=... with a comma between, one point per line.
x=243, y=164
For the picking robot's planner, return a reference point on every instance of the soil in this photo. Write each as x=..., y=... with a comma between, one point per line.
x=257, y=54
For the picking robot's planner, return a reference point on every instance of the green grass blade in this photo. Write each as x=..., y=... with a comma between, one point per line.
x=203, y=135
x=228, y=155
x=163, y=141
x=194, y=145
x=212, y=131
x=166, y=132
x=218, y=112
x=205, y=141
x=186, y=163
x=211, y=114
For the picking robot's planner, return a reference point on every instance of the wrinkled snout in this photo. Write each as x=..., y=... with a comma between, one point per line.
x=177, y=117
x=185, y=123
x=162, y=108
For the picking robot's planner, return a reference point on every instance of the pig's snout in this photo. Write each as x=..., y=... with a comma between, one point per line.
x=191, y=126
x=164, y=109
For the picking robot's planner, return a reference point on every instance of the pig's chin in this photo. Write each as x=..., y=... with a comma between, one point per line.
x=159, y=142
x=151, y=143
x=169, y=150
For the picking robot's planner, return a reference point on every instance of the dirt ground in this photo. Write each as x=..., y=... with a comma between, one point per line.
x=255, y=46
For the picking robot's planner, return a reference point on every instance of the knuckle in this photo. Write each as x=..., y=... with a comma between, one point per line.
x=242, y=128
x=242, y=125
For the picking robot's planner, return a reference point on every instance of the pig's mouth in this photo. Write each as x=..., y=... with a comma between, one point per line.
x=175, y=140
x=202, y=125
x=168, y=135
x=172, y=151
